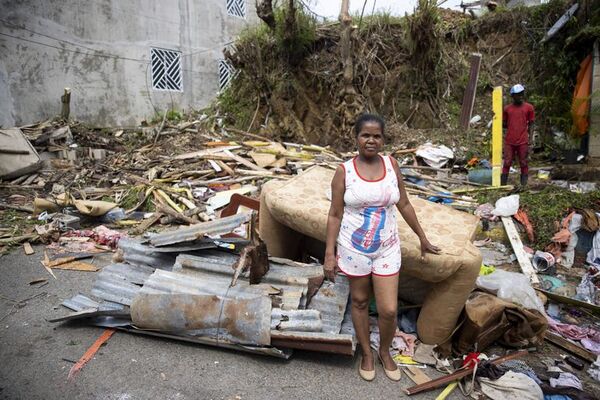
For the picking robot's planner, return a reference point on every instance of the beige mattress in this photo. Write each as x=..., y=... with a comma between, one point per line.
x=301, y=204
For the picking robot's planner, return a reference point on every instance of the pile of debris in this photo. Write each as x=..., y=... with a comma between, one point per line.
x=191, y=284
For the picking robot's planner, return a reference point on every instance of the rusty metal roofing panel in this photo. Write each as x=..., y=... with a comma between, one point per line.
x=174, y=282
x=331, y=300
x=314, y=341
x=296, y=320
x=236, y=320
x=198, y=231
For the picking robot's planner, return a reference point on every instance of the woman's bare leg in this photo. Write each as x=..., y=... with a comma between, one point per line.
x=386, y=296
x=359, y=292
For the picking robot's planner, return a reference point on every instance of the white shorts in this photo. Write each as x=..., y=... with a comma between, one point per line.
x=354, y=264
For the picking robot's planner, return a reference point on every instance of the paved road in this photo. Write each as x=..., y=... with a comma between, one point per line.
x=35, y=354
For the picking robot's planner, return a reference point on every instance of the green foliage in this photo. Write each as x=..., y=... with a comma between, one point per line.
x=547, y=208
x=295, y=32
x=172, y=115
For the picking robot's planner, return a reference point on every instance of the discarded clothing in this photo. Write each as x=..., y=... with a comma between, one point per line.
x=521, y=367
x=594, y=370
x=407, y=320
x=573, y=332
x=402, y=343
x=488, y=370
x=591, y=345
x=566, y=379
x=567, y=391
x=593, y=256
x=100, y=234
x=556, y=397
x=512, y=385
x=484, y=211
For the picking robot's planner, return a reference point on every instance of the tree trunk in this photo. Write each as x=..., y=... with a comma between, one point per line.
x=349, y=101
x=264, y=10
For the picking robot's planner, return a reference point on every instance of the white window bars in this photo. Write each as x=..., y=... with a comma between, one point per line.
x=166, y=70
x=226, y=73
x=237, y=8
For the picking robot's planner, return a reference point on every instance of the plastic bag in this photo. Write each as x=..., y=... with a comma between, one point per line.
x=511, y=286
x=507, y=206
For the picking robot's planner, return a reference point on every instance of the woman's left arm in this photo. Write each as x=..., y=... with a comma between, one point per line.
x=409, y=215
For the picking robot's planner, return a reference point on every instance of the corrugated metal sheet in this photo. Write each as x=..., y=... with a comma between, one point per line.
x=331, y=301
x=137, y=253
x=120, y=283
x=244, y=321
x=177, y=302
x=198, y=231
x=296, y=320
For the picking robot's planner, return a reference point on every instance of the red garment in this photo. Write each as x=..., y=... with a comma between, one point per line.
x=521, y=150
x=516, y=119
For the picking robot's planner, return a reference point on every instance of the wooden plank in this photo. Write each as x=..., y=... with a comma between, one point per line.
x=28, y=249
x=206, y=152
x=416, y=375
x=244, y=162
x=469, y=97
x=517, y=245
x=571, y=347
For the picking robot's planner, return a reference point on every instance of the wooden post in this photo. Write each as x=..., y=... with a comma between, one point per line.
x=469, y=97
x=65, y=99
x=497, y=136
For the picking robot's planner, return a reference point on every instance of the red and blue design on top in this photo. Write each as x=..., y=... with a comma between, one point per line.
x=367, y=238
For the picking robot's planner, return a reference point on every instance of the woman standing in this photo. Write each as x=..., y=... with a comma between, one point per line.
x=363, y=223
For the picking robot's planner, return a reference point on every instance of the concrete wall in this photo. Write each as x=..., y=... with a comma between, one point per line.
x=101, y=50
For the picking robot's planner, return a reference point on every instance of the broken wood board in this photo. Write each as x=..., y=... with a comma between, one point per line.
x=517, y=245
x=571, y=347
x=28, y=249
x=573, y=302
x=221, y=199
x=244, y=162
x=416, y=375
x=263, y=159
x=77, y=266
x=205, y=152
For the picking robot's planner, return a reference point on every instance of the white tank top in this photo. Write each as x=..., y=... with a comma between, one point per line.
x=369, y=223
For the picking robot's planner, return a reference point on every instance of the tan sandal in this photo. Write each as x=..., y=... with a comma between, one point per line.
x=394, y=375
x=366, y=375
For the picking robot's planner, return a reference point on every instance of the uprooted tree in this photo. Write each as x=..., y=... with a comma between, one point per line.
x=303, y=80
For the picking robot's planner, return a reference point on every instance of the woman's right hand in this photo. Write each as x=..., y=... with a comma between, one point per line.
x=330, y=267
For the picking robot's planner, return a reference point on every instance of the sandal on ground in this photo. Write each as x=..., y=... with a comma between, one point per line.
x=366, y=375
x=394, y=375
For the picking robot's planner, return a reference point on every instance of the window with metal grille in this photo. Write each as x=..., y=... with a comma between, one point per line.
x=226, y=73
x=166, y=70
x=237, y=8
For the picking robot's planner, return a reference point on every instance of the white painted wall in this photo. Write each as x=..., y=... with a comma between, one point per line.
x=101, y=50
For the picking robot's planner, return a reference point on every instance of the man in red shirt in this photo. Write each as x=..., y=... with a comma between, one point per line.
x=518, y=120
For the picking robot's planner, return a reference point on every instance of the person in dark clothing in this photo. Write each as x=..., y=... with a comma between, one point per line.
x=517, y=119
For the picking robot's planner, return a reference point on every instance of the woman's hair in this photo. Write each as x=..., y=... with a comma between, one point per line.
x=364, y=118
